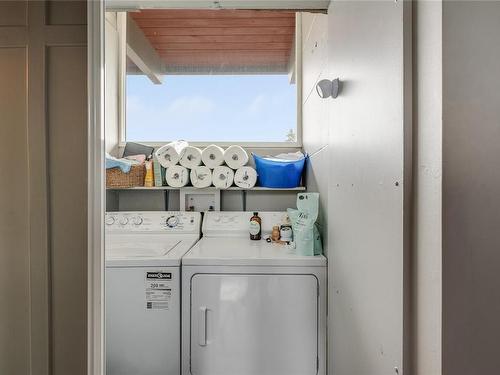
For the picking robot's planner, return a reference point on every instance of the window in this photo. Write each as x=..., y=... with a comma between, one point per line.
x=228, y=76
x=214, y=108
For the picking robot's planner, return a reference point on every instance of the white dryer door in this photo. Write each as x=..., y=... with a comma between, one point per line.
x=256, y=324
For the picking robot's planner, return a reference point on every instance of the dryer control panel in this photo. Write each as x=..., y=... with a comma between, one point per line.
x=155, y=221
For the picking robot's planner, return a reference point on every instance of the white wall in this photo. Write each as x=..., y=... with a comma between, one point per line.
x=315, y=111
x=427, y=167
x=471, y=186
x=456, y=75
x=112, y=76
x=358, y=165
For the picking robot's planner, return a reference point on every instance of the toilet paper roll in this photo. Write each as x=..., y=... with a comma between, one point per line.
x=169, y=154
x=222, y=177
x=235, y=157
x=245, y=177
x=201, y=176
x=212, y=156
x=190, y=157
x=177, y=176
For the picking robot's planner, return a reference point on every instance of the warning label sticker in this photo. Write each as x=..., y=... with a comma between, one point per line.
x=158, y=290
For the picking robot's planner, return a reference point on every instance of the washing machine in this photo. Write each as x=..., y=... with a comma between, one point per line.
x=251, y=307
x=143, y=252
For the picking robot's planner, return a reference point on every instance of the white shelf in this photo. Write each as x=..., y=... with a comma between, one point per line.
x=232, y=188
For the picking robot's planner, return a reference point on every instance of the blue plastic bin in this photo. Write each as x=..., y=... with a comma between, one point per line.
x=279, y=174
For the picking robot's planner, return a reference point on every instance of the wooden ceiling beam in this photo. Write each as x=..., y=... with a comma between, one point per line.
x=142, y=54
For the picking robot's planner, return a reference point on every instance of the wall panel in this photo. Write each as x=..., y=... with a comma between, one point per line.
x=316, y=111
x=112, y=73
x=14, y=213
x=13, y=13
x=471, y=186
x=43, y=224
x=366, y=220
x=427, y=175
x=66, y=12
x=67, y=108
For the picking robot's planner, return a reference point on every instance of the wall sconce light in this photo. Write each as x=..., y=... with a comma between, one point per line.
x=326, y=88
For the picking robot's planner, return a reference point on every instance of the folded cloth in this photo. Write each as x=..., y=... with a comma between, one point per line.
x=291, y=156
x=141, y=158
x=123, y=164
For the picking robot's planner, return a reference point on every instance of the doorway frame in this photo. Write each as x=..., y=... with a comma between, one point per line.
x=95, y=190
x=96, y=193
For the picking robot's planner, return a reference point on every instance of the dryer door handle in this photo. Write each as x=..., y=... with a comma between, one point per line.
x=202, y=326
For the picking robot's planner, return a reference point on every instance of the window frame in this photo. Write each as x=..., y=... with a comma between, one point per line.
x=122, y=99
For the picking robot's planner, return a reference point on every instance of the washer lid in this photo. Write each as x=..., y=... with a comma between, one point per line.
x=131, y=250
x=144, y=253
x=244, y=252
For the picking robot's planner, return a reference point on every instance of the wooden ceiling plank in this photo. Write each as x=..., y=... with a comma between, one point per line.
x=240, y=59
x=224, y=54
x=236, y=62
x=233, y=39
x=226, y=13
x=219, y=31
x=265, y=65
x=224, y=70
x=222, y=46
x=207, y=23
x=242, y=39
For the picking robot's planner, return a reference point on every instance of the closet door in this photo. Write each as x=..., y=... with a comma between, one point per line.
x=369, y=134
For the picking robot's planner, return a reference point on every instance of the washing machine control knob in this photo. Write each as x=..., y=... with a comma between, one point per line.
x=137, y=220
x=123, y=220
x=110, y=220
x=172, y=221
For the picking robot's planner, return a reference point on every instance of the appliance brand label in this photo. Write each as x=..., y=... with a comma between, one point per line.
x=158, y=276
x=158, y=290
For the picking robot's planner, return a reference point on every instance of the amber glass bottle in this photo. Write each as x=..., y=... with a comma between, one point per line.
x=255, y=227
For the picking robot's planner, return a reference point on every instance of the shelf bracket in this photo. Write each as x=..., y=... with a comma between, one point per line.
x=244, y=200
x=166, y=198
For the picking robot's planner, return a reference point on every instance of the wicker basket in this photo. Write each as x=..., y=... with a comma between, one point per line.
x=115, y=178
